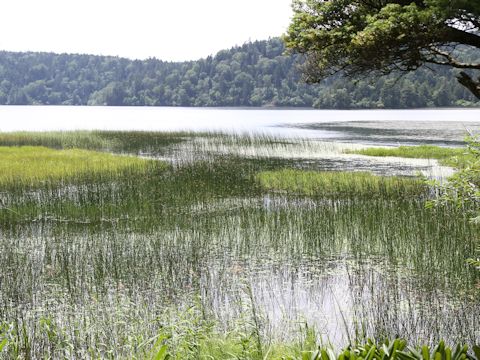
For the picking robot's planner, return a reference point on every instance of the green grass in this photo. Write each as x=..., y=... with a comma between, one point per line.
x=339, y=184
x=112, y=141
x=35, y=164
x=108, y=263
x=447, y=156
x=57, y=139
x=194, y=339
x=217, y=348
x=420, y=152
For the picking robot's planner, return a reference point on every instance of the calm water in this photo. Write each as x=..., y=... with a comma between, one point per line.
x=121, y=253
x=380, y=126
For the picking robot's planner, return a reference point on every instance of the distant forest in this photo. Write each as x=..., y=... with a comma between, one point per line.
x=254, y=74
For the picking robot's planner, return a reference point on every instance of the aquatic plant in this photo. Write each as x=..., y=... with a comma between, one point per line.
x=456, y=157
x=340, y=184
x=34, y=164
x=197, y=258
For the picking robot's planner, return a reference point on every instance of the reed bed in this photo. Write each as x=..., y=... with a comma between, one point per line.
x=200, y=259
x=447, y=155
x=181, y=147
x=340, y=184
x=111, y=141
x=35, y=164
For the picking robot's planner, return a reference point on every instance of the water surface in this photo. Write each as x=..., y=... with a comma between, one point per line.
x=110, y=258
x=391, y=126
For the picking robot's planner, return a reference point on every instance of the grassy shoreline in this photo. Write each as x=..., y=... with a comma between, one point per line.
x=338, y=184
x=34, y=165
x=222, y=257
x=447, y=156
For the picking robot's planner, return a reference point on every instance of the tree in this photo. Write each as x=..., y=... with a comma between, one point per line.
x=257, y=73
x=361, y=37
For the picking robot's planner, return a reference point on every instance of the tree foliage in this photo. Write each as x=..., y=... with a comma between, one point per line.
x=254, y=74
x=384, y=36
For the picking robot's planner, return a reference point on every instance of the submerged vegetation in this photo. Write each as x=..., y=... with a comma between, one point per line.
x=225, y=253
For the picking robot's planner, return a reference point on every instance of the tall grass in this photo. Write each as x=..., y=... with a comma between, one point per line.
x=447, y=155
x=340, y=184
x=200, y=259
x=191, y=338
x=113, y=141
x=34, y=164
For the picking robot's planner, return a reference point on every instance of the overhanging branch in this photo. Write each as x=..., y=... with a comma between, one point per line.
x=451, y=61
x=461, y=37
x=472, y=85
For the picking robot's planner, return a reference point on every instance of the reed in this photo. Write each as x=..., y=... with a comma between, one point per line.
x=111, y=141
x=338, y=184
x=33, y=165
x=223, y=255
x=446, y=155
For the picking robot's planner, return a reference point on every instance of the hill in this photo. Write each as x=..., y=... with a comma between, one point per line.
x=254, y=74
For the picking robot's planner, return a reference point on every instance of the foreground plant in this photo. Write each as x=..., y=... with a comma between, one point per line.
x=194, y=338
x=396, y=349
x=388, y=350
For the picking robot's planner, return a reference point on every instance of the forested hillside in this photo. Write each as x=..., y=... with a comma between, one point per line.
x=255, y=74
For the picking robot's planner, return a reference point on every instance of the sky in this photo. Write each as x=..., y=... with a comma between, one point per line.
x=174, y=30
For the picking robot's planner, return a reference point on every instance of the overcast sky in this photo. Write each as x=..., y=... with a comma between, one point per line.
x=168, y=30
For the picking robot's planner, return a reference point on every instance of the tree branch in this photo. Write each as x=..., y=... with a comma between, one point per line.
x=462, y=37
x=472, y=85
x=451, y=61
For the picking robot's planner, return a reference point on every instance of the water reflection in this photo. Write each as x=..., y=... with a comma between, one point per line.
x=341, y=299
x=451, y=133
x=112, y=258
x=348, y=269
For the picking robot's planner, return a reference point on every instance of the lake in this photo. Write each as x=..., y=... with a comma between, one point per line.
x=196, y=247
x=398, y=126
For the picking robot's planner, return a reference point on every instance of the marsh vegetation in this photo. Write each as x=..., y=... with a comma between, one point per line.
x=221, y=246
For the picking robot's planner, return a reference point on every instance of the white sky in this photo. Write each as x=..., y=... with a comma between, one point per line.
x=166, y=29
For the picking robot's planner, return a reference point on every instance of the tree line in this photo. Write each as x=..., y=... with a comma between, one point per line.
x=255, y=74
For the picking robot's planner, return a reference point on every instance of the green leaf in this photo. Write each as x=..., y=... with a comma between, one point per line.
x=371, y=353
x=426, y=353
x=476, y=350
x=307, y=355
x=406, y=356
x=3, y=344
x=415, y=353
x=386, y=350
x=448, y=354
x=162, y=353
x=324, y=355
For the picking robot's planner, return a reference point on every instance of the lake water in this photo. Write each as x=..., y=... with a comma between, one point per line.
x=106, y=259
x=381, y=126
x=357, y=127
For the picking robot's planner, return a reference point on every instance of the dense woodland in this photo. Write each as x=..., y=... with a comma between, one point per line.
x=254, y=74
